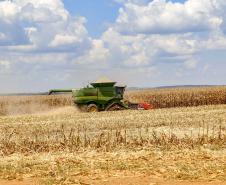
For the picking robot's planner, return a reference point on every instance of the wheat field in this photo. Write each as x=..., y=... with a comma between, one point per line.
x=55, y=143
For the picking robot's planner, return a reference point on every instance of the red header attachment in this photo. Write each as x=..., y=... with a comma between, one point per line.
x=145, y=106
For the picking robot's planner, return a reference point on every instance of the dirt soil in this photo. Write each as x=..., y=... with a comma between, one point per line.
x=151, y=181
x=122, y=181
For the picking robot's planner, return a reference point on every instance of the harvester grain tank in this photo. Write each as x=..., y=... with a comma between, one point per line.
x=103, y=95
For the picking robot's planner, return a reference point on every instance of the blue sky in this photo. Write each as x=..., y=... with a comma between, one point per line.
x=67, y=43
x=99, y=13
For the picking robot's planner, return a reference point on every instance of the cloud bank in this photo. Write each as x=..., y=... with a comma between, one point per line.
x=41, y=40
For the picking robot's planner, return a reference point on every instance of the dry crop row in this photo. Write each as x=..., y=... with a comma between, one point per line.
x=74, y=131
x=60, y=140
x=180, y=97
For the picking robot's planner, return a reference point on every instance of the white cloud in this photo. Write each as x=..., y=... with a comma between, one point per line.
x=145, y=31
x=126, y=50
x=141, y=50
x=97, y=55
x=206, y=68
x=148, y=33
x=8, y=9
x=190, y=64
x=38, y=39
x=60, y=40
x=161, y=16
x=44, y=25
x=132, y=1
x=2, y=36
x=4, y=66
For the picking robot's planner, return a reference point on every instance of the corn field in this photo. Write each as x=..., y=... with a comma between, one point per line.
x=180, y=97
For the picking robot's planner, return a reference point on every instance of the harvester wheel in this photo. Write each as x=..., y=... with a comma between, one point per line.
x=92, y=108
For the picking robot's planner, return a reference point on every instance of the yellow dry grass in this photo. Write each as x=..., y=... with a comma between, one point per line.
x=64, y=145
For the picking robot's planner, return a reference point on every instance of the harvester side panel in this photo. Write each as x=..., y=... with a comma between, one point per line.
x=85, y=95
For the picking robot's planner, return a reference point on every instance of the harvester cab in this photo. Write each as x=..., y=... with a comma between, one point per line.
x=103, y=95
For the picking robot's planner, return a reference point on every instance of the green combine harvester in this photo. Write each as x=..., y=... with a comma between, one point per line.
x=103, y=95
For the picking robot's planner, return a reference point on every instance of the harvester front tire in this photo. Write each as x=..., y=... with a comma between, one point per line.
x=92, y=108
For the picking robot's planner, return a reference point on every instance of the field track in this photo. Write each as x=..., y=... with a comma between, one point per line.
x=140, y=180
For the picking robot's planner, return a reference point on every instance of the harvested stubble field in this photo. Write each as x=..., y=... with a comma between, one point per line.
x=57, y=144
x=65, y=146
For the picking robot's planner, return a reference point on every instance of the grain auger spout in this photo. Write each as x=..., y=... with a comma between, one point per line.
x=103, y=95
x=60, y=91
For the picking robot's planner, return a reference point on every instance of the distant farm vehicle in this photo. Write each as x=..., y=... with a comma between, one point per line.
x=103, y=95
